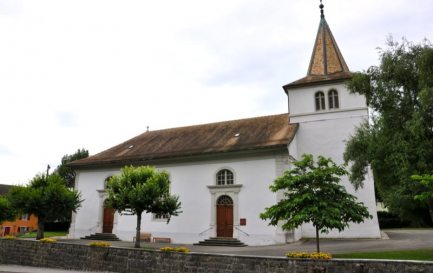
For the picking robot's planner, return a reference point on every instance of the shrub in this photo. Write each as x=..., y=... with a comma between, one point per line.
x=389, y=220
x=48, y=240
x=100, y=244
x=182, y=249
x=320, y=256
x=167, y=249
x=10, y=237
x=174, y=249
x=306, y=255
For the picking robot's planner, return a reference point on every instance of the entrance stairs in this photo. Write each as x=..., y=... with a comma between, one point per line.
x=221, y=241
x=101, y=237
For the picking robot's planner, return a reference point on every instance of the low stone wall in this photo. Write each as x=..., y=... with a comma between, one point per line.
x=82, y=257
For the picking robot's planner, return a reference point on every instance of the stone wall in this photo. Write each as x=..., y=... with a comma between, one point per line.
x=82, y=257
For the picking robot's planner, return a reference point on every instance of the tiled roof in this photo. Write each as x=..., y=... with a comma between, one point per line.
x=4, y=189
x=223, y=137
x=327, y=63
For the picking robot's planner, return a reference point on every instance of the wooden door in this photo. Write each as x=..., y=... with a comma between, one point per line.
x=7, y=231
x=107, y=226
x=225, y=216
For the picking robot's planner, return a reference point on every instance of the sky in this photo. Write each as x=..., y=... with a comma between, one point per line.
x=94, y=73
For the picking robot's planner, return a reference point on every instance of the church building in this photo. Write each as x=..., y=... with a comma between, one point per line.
x=222, y=171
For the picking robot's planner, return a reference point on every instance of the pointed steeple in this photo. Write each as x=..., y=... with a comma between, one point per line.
x=327, y=62
x=326, y=58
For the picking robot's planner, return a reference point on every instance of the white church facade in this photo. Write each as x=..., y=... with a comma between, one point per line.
x=222, y=171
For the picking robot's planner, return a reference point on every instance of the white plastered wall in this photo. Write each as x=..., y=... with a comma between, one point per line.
x=191, y=182
x=325, y=133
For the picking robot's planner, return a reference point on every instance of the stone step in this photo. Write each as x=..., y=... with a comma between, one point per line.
x=221, y=241
x=102, y=237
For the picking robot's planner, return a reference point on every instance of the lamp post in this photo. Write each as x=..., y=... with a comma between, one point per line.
x=48, y=169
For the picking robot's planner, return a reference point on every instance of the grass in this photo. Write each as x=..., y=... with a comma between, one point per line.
x=47, y=234
x=416, y=254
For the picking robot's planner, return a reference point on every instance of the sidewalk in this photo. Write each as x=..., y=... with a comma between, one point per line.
x=393, y=240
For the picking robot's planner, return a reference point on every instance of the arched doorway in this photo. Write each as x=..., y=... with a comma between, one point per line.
x=108, y=219
x=224, y=216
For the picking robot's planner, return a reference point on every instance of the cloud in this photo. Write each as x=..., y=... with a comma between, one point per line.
x=5, y=151
x=66, y=119
x=10, y=7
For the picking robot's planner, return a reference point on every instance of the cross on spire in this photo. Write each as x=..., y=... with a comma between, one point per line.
x=322, y=15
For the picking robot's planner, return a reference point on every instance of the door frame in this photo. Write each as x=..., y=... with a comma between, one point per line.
x=100, y=220
x=105, y=208
x=222, y=208
x=216, y=192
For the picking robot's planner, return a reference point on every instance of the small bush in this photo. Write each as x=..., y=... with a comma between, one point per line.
x=48, y=240
x=389, y=220
x=182, y=249
x=298, y=255
x=99, y=244
x=306, y=255
x=167, y=249
x=10, y=237
x=174, y=249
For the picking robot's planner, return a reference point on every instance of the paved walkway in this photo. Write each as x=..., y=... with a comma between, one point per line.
x=394, y=239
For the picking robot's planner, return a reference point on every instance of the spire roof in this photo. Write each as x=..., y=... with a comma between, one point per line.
x=327, y=62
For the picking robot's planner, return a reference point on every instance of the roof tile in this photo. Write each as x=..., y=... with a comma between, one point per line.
x=228, y=136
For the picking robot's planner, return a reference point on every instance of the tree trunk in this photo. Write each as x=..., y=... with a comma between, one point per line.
x=138, y=230
x=41, y=228
x=317, y=240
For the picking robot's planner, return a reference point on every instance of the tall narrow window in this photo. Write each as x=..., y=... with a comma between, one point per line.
x=333, y=99
x=320, y=100
x=225, y=177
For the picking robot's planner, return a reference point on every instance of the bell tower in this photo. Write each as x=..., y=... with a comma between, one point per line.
x=328, y=114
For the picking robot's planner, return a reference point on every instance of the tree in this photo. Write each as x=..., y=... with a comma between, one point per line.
x=398, y=140
x=7, y=213
x=48, y=199
x=427, y=194
x=142, y=189
x=66, y=172
x=312, y=194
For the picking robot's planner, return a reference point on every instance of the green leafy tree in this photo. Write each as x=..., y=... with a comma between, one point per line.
x=142, y=189
x=312, y=194
x=398, y=140
x=66, y=172
x=7, y=213
x=426, y=195
x=48, y=199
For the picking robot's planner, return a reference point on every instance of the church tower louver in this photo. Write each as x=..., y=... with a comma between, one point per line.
x=328, y=114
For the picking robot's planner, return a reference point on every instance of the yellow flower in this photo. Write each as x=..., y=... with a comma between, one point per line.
x=100, y=244
x=48, y=240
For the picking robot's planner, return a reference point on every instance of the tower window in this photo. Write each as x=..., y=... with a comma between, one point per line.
x=225, y=177
x=320, y=101
x=333, y=99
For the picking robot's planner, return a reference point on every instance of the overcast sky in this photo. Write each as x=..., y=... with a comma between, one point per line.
x=94, y=73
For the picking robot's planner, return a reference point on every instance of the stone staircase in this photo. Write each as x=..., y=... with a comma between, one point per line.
x=101, y=237
x=221, y=241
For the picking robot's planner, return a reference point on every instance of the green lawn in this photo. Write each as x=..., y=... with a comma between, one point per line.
x=46, y=234
x=416, y=254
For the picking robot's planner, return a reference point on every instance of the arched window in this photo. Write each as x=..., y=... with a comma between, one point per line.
x=106, y=182
x=225, y=177
x=224, y=200
x=320, y=101
x=333, y=99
